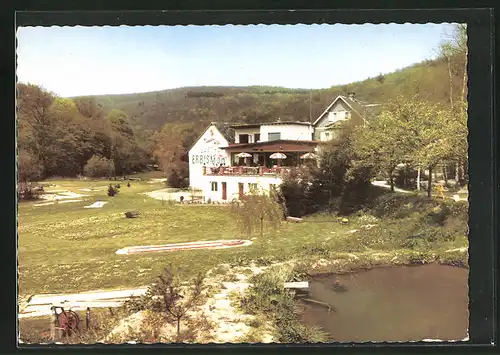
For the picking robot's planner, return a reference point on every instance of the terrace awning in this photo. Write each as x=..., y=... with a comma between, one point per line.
x=273, y=146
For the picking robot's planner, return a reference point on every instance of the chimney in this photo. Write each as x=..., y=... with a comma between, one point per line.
x=350, y=95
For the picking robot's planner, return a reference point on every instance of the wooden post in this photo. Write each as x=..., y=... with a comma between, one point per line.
x=418, y=179
x=87, y=318
x=55, y=331
x=53, y=327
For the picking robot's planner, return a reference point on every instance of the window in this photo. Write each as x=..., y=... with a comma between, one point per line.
x=332, y=116
x=252, y=187
x=274, y=136
x=257, y=137
x=327, y=136
x=214, y=185
x=243, y=138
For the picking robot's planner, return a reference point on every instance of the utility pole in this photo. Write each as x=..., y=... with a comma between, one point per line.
x=310, y=106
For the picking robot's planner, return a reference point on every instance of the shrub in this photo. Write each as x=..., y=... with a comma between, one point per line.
x=98, y=166
x=112, y=191
x=25, y=191
x=178, y=179
x=267, y=297
x=293, y=194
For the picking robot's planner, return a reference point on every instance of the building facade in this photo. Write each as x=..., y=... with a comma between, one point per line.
x=229, y=161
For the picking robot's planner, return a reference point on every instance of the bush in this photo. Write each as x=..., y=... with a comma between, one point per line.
x=112, y=191
x=98, y=166
x=25, y=191
x=178, y=179
x=267, y=297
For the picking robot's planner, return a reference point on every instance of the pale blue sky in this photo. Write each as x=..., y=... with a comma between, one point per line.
x=72, y=61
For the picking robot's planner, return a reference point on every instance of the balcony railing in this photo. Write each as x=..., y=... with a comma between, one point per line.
x=250, y=171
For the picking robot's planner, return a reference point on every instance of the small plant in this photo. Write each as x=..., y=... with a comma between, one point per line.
x=112, y=191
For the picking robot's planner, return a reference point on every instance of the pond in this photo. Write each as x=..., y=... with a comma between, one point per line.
x=407, y=303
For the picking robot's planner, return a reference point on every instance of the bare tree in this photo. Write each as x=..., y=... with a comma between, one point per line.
x=177, y=304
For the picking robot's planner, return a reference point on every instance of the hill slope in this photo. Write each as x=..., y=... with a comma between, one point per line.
x=200, y=105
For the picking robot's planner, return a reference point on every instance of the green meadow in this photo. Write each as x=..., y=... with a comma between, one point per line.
x=65, y=247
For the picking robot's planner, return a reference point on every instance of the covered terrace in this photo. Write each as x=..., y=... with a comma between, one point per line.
x=258, y=159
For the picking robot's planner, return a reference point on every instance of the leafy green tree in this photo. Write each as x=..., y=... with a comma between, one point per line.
x=28, y=168
x=379, y=143
x=412, y=131
x=35, y=121
x=124, y=152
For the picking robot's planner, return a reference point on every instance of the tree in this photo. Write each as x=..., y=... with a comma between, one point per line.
x=455, y=51
x=171, y=150
x=170, y=297
x=328, y=181
x=412, y=131
x=125, y=152
x=28, y=168
x=88, y=107
x=65, y=152
x=379, y=144
x=33, y=104
x=257, y=209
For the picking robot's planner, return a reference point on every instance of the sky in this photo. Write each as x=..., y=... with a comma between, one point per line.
x=75, y=61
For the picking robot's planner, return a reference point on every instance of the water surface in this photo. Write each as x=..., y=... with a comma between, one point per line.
x=408, y=303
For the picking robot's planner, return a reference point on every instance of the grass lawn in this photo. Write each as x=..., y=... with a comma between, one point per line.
x=68, y=248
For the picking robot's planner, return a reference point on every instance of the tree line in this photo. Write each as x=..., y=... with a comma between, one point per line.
x=424, y=105
x=68, y=137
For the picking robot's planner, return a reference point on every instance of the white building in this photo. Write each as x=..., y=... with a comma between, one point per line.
x=207, y=152
x=217, y=167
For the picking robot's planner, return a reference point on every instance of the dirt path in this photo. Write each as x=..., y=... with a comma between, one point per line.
x=384, y=185
x=39, y=305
